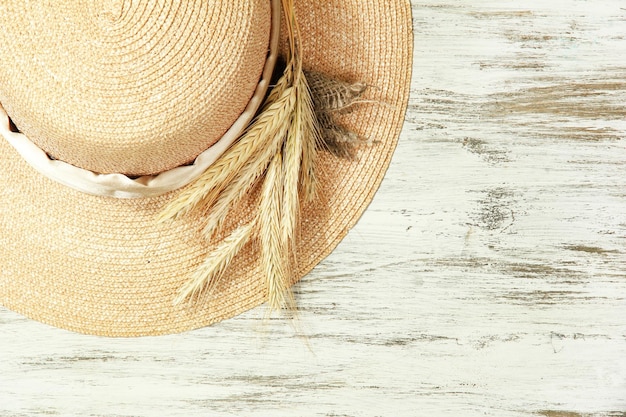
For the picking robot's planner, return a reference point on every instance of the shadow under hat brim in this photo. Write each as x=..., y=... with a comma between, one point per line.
x=105, y=266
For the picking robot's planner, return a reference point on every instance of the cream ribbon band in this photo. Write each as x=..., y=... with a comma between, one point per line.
x=121, y=186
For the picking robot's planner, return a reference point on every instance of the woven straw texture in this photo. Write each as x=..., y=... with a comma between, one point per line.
x=104, y=266
x=138, y=77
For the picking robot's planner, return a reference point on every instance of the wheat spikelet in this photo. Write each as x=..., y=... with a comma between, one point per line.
x=273, y=251
x=281, y=85
x=311, y=141
x=206, y=277
x=235, y=190
x=299, y=159
x=207, y=188
x=280, y=145
x=292, y=159
x=268, y=127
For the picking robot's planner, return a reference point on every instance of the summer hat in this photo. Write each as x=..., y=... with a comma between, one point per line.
x=167, y=165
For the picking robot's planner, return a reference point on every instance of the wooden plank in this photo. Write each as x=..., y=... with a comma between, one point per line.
x=487, y=278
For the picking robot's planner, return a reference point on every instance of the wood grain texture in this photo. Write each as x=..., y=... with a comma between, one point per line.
x=487, y=278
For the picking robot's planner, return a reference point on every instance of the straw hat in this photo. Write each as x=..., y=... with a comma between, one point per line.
x=164, y=166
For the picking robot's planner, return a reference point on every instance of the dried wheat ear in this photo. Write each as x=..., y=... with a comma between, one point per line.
x=278, y=150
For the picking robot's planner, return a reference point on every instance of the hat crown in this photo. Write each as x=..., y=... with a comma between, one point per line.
x=128, y=86
x=109, y=10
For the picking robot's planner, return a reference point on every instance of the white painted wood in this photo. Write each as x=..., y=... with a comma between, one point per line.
x=487, y=278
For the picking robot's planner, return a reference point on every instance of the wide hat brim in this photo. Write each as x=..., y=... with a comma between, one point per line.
x=106, y=266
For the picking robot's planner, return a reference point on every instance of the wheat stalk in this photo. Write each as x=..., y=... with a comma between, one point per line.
x=207, y=188
x=311, y=142
x=292, y=157
x=280, y=145
x=236, y=189
x=274, y=122
x=274, y=263
x=292, y=160
x=279, y=202
x=207, y=276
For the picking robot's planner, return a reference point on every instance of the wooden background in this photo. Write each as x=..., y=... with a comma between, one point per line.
x=488, y=278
